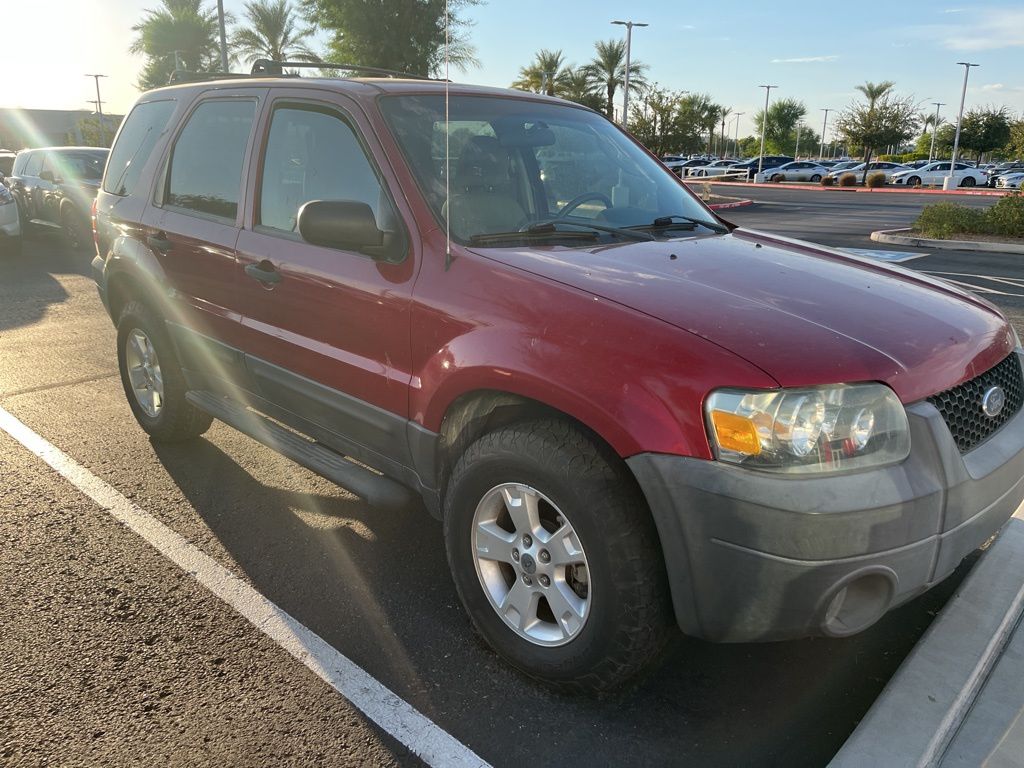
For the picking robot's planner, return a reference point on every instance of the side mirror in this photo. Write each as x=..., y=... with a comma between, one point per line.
x=46, y=175
x=344, y=224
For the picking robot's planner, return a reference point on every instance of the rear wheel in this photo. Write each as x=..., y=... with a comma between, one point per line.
x=555, y=556
x=816, y=178
x=76, y=229
x=967, y=181
x=152, y=378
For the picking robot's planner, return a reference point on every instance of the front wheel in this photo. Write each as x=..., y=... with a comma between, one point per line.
x=778, y=177
x=555, y=556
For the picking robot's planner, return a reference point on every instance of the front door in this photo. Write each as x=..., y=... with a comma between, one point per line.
x=335, y=347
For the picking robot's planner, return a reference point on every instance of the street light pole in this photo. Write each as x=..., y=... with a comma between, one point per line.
x=736, y=141
x=625, y=85
x=99, y=107
x=223, y=37
x=824, y=125
x=764, y=125
x=949, y=181
x=935, y=129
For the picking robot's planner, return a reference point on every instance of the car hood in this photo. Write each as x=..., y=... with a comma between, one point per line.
x=804, y=314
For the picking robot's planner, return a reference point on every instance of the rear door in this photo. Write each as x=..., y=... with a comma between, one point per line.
x=334, y=323
x=193, y=236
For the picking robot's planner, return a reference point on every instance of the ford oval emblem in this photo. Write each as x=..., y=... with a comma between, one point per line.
x=993, y=402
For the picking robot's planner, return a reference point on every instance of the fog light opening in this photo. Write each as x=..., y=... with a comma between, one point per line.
x=857, y=604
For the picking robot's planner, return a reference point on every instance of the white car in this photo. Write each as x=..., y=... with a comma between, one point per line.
x=934, y=174
x=717, y=168
x=10, y=222
x=1010, y=181
x=875, y=166
x=798, y=170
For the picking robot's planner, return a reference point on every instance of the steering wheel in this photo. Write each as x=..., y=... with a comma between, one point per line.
x=579, y=200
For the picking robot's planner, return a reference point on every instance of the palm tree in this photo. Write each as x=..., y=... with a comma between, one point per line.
x=607, y=70
x=177, y=32
x=270, y=33
x=875, y=91
x=545, y=74
x=576, y=85
x=723, y=112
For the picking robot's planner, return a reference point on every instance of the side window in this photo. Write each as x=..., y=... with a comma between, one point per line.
x=205, y=172
x=313, y=154
x=134, y=145
x=34, y=164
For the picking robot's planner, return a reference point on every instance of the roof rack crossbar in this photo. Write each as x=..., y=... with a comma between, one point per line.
x=271, y=67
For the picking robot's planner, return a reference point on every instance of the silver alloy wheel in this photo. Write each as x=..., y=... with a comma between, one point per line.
x=531, y=564
x=144, y=372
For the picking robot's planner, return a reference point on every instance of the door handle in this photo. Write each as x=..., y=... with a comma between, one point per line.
x=159, y=242
x=263, y=271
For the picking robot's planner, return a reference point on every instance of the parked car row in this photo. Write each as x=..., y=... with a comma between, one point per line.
x=54, y=188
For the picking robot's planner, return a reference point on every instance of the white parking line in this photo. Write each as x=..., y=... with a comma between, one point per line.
x=421, y=735
x=1003, y=281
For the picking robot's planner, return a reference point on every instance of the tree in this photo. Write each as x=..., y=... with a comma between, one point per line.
x=576, y=85
x=875, y=91
x=1015, y=146
x=545, y=74
x=404, y=35
x=723, y=113
x=270, y=33
x=883, y=118
x=985, y=130
x=179, y=30
x=96, y=135
x=780, y=128
x=608, y=71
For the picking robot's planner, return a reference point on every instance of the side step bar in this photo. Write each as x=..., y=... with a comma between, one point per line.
x=378, y=490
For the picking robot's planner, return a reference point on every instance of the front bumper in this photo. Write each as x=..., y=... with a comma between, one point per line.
x=752, y=556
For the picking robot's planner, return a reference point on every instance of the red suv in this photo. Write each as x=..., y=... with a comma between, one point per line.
x=625, y=410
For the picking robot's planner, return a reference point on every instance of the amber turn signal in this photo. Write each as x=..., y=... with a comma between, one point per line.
x=735, y=433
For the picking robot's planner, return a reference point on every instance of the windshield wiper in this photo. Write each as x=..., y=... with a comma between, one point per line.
x=552, y=224
x=550, y=228
x=678, y=221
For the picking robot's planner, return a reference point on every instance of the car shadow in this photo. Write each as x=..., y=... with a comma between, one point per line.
x=375, y=585
x=28, y=280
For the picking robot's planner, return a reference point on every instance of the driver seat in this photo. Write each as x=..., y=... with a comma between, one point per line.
x=482, y=199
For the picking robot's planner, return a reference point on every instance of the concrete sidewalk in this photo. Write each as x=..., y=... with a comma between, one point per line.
x=958, y=698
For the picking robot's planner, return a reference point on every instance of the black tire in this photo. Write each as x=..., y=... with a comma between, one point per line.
x=914, y=181
x=967, y=181
x=777, y=178
x=630, y=616
x=77, y=233
x=816, y=178
x=177, y=418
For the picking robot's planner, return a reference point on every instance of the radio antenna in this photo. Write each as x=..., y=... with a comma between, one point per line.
x=447, y=154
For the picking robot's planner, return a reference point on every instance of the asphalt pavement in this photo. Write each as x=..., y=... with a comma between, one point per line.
x=112, y=655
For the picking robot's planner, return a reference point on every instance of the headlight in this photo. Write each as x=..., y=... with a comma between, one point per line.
x=821, y=429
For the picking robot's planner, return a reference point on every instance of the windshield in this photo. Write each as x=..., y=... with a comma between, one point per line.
x=524, y=166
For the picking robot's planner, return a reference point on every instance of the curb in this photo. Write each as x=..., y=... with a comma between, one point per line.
x=972, y=191
x=727, y=206
x=893, y=237
x=920, y=715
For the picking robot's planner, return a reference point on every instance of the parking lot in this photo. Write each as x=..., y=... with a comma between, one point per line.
x=119, y=656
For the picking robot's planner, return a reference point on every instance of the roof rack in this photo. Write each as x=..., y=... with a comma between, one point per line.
x=271, y=67
x=185, y=76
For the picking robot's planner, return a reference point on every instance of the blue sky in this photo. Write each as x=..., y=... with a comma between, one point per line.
x=814, y=51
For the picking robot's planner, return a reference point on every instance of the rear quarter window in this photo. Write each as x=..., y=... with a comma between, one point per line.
x=134, y=145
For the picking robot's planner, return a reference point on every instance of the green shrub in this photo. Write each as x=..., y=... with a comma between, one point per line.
x=944, y=220
x=827, y=181
x=1007, y=216
x=876, y=179
x=848, y=180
